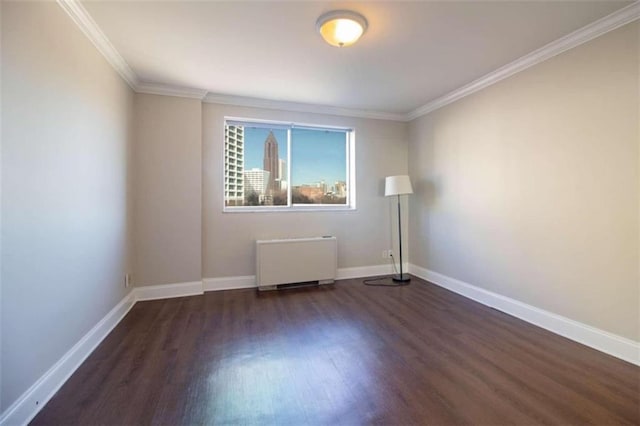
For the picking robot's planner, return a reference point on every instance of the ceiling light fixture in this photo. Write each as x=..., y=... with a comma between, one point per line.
x=341, y=27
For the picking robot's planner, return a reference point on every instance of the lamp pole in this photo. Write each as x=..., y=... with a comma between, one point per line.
x=401, y=277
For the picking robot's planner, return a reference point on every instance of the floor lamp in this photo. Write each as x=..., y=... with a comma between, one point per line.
x=398, y=185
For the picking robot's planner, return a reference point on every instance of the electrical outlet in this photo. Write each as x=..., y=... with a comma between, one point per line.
x=127, y=280
x=390, y=254
x=384, y=254
x=387, y=254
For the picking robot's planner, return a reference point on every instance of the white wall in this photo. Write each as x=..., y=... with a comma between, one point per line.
x=530, y=188
x=229, y=238
x=65, y=194
x=168, y=181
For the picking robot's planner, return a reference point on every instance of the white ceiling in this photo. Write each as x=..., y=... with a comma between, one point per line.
x=412, y=53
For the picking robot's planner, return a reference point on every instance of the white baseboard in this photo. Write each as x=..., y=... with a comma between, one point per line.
x=606, y=342
x=25, y=408
x=249, y=281
x=364, y=271
x=167, y=291
x=229, y=283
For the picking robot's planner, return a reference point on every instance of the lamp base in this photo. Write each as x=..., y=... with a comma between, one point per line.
x=404, y=278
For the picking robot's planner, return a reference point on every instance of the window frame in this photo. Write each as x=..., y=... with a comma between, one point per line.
x=290, y=207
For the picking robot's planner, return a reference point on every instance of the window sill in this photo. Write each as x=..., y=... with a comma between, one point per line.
x=296, y=209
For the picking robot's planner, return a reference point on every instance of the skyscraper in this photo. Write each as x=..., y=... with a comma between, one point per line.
x=256, y=180
x=271, y=162
x=234, y=166
x=282, y=169
x=281, y=178
x=255, y=185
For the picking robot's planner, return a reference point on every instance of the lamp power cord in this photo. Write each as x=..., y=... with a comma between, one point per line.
x=386, y=281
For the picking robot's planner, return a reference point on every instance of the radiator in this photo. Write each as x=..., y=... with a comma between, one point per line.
x=299, y=260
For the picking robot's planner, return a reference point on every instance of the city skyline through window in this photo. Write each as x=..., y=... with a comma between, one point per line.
x=316, y=154
x=319, y=168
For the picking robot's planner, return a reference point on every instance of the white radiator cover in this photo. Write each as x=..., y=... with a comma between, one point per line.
x=296, y=260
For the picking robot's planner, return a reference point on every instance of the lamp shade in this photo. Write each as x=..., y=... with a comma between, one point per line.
x=397, y=185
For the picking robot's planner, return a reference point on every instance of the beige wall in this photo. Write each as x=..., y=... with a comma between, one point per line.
x=168, y=181
x=530, y=188
x=65, y=200
x=229, y=238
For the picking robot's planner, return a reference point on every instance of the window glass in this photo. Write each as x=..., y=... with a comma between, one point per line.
x=279, y=166
x=318, y=166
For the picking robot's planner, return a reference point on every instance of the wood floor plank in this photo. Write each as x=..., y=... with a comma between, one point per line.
x=341, y=355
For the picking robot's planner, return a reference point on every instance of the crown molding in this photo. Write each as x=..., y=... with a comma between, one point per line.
x=88, y=26
x=301, y=107
x=169, y=90
x=597, y=28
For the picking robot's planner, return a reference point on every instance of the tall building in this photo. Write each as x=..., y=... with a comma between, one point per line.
x=282, y=169
x=281, y=178
x=257, y=180
x=271, y=163
x=234, y=165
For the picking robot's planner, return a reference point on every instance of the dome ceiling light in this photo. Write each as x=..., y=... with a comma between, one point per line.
x=341, y=28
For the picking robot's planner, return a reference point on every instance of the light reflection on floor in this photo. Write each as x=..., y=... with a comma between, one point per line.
x=306, y=378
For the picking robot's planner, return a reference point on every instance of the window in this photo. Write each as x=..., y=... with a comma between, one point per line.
x=279, y=166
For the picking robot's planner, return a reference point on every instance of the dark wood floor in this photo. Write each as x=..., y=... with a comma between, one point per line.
x=342, y=354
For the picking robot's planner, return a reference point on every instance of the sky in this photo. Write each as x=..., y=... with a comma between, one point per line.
x=315, y=154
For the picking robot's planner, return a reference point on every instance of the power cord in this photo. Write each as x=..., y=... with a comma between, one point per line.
x=385, y=281
x=393, y=262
